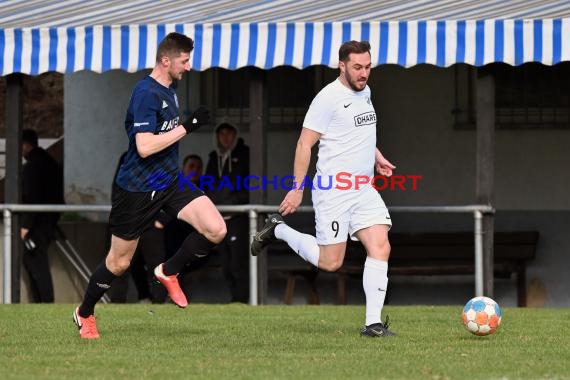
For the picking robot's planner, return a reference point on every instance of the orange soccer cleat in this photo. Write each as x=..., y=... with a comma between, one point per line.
x=87, y=326
x=171, y=284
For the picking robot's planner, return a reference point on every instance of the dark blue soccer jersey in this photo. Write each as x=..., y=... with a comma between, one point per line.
x=152, y=108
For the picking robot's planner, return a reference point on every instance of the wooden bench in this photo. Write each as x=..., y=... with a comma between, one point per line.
x=426, y=254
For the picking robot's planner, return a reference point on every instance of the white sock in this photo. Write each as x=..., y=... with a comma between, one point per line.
x=304, y=245
x=374, y=282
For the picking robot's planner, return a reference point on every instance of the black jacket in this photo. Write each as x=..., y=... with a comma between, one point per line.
x=42, y=183
x=235, y=168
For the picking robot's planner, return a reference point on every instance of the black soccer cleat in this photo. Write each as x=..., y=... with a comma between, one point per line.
x=376, y=330
x=266, y=235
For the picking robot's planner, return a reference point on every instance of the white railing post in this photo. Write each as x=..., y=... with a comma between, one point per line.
x=478, y=215
x=7, y=299
x=253, y=281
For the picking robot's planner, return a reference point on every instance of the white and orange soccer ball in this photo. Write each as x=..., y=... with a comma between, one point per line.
x=481, y=316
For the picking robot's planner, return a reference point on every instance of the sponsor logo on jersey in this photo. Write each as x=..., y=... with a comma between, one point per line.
x=167, y=125
x=164, y=104
x=366, y=118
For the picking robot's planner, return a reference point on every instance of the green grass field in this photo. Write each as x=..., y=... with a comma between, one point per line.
x=279, y=342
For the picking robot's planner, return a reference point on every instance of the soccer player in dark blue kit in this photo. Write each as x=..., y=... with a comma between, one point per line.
x=147, y=182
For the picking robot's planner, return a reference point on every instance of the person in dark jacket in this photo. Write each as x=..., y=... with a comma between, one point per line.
x=228, y=165
x=42, y=183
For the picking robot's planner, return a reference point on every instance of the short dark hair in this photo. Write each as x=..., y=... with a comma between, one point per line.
x=173, y=45
x=350, y=47
x=30, y=136
x=192, y=157
x=226, y=125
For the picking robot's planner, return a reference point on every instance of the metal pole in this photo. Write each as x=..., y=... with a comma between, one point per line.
x=252, y=260
x=478, y=215
x=7, y=257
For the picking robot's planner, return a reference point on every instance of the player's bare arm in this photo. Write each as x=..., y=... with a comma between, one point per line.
x=294, y=197
x=149, y=143
x=383, y=166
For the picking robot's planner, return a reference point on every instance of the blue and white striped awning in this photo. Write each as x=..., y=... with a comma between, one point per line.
x=38, y=36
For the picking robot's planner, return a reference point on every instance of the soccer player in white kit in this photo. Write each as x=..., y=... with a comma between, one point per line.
x=342, y=118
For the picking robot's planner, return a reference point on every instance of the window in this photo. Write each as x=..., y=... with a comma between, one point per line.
x=289, y=94
x=531, y=96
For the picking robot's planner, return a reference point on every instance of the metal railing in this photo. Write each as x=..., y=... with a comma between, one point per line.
x=253, y=212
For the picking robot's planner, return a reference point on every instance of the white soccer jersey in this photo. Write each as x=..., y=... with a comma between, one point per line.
x=346, y=121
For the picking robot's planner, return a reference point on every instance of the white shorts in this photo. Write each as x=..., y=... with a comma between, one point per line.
x=339, y=213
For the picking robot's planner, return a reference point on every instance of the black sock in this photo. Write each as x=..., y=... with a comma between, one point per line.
x=195, y=247
x=99, y=283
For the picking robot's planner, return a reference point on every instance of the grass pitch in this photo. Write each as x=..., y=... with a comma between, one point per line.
x=279, y=342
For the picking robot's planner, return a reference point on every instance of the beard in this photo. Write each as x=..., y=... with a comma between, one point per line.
x=354, y=84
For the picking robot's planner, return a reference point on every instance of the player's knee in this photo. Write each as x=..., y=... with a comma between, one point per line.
x=385, y=250
x=118, y=265
x=381, y=252
x=217, y=233
x=330, y=265
x=123, y=265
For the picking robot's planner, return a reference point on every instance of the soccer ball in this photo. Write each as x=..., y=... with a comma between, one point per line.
x=481, y=316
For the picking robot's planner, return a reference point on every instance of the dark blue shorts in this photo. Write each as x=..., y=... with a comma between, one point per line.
x=133, y=212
